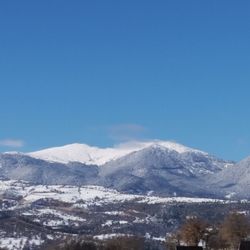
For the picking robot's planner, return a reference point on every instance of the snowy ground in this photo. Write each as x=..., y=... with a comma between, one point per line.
x=83, y=195
x=19, y=243
x=46, y=213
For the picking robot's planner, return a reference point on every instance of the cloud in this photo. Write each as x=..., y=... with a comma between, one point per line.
x=242, y=141
x=126, y=132
x=12, y=143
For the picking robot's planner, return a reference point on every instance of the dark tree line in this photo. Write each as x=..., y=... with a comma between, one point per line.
x=117, y=243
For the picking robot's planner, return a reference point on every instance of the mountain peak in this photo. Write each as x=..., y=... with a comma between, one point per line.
x=172, y=146
x=91, y=155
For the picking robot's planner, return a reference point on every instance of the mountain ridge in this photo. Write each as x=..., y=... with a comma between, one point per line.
x=86, y=154
x=157, y=167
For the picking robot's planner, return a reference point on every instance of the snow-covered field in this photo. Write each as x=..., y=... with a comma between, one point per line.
x=83, y=195
x=38, y=214
x=12, y=243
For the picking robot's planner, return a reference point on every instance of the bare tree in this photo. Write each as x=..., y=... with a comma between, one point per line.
x=235, y=228
x=172, y=241
x=214, y=240
x=193, y=231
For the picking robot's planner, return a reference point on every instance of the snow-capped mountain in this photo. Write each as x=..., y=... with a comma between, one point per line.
x=98, y=156
x=162, y=170
x=158, y=167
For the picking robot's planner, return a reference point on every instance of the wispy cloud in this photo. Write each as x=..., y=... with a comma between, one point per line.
x=126, y=132
x=12, y=143
x=242, y=141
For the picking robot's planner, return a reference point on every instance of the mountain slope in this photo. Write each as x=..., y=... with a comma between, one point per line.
x=22, y=167
x=161, y=170
x=233, y=181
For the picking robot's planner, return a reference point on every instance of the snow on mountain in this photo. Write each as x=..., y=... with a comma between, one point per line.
x=234, y=181
x=24, y=167
x=161, y=167
x=98, y=156
x=80, y=153
x=78, y=195
x=162, y=170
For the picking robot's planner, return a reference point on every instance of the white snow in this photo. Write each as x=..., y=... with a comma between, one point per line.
x=19, y=243
x=109, y=236
x=230, y=195
x=88, y=195
x=98, y=156
x=123, y=222
x=57, y=217
x=159, y=239
x=114, y=213
x=107, y=223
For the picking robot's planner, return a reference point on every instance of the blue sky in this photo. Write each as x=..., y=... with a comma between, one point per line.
x=103, y=72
